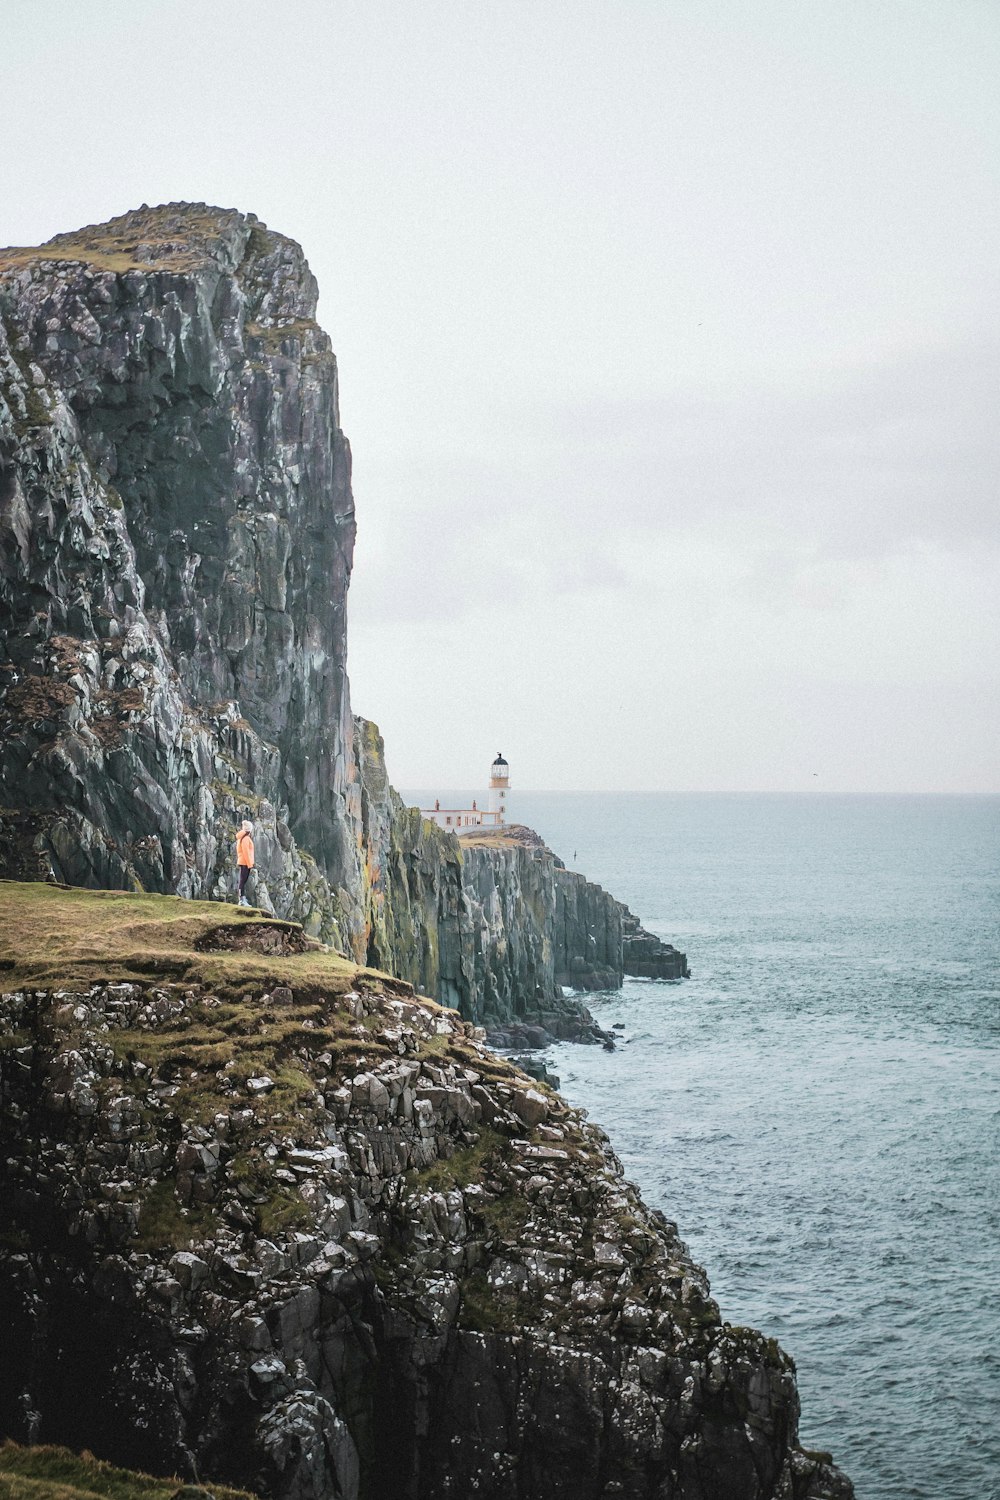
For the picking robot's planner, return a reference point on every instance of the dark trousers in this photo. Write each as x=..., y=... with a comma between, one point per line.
x=244, y=877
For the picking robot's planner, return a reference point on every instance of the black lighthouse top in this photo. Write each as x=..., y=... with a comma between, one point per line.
x=499, y=760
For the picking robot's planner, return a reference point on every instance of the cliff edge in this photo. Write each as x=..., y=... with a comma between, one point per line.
x=274, y=1220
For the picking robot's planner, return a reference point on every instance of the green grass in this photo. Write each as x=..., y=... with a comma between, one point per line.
x=114, y=246
x=104, y=259
x=276, y=1206
x=506, y=1216
x=247, y=1040
x=510, y=836
x=283, y=1211
x=109, y=254
x=54, y=937
x=493, y=1068
x=482, y=1311
x=161, y=1223
x=463, y=1167
x=229, y=1030
x=57, y=1474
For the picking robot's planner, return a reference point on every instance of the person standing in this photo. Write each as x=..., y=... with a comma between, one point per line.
x=244, y=858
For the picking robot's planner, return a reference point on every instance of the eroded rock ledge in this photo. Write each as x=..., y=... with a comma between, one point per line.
x=287, y=1225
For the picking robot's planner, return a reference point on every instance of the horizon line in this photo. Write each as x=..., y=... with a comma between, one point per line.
x=563, y=791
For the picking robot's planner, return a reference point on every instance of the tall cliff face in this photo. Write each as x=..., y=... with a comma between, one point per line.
x=177, y=530
x=176, y=536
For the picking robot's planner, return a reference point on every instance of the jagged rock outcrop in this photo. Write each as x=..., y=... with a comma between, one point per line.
x=269, y=1217
x=176, y=537
x=472, y=924
x=646, y=956
x=282, y=1223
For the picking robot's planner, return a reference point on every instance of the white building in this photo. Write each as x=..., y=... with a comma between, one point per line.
x=494, y=815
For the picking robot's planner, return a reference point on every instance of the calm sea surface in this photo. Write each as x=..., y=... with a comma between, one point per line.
x=819, y=1106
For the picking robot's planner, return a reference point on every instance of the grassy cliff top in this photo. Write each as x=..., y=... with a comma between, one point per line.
x=228, y=1011
x=56, y=1474
x=238, y=996
x=57, y=937
x=510, y=836
x=172, y=237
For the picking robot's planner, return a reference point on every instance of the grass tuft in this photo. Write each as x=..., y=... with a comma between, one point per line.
x=57, y=1474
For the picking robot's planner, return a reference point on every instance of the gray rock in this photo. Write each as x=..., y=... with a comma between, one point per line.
x=353, y=1315
x=190, y=1270
x=529, y=1105
x=412, y=1332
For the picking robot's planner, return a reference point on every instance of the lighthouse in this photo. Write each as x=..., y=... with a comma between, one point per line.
x=499, y=782
x=476, y=819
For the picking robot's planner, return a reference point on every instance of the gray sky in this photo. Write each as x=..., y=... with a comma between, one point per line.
x=668, y=348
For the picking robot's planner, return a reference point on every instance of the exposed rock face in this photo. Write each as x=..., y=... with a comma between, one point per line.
x=314, y=1238
x=646, y=956
x=176, y=536
x=474, y=925
x=176, y=532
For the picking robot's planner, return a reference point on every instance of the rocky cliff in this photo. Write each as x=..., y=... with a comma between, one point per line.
x=491, y=923
x=270, y=1217
x=176, y=538
x=176, y=533
x=273, y=1220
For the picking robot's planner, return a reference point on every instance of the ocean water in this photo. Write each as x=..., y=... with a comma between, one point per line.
x=819, y=1105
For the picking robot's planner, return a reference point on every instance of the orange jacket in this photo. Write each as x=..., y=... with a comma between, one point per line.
x=244, y=849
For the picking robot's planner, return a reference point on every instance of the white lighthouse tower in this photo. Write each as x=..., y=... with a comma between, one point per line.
x=499, y=783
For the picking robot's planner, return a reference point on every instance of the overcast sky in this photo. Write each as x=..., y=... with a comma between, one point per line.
x=668, y=347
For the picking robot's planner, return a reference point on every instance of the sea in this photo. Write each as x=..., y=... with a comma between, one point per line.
x=818, y=1106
